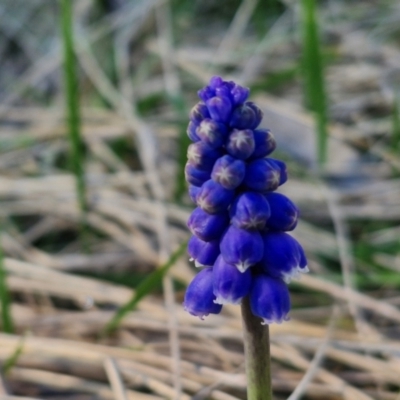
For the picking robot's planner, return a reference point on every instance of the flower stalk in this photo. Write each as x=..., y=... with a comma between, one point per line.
x=257, y=353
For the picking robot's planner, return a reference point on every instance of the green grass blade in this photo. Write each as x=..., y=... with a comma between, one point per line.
x=5, y=301
x=144, y=288
x=314, y=76
x=395, y=142
x=71, y=91
x=12, y=360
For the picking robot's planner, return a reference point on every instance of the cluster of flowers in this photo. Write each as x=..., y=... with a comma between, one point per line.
x=239, y=224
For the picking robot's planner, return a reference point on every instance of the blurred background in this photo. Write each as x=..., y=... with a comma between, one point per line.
x=94, y=103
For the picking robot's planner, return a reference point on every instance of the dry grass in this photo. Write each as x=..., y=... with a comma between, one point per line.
x=343, y=338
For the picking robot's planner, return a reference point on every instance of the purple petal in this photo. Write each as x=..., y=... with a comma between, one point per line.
x=284, y=214
x=265, y=143
x=211, y=132
x=250, y=211
x=196, y=176
x=240, y=143
x=262, y=175
x=203, y=253
x=214, y=198
x=191, y=131
x=199, y=296
x=246, y=116
x=230, y=285
x=241, y=248
x=283, y=256
x=228, y=172
x=269, y=299
x=220, y=108
x=199, y=112
x=202, y=156
x=206, y=226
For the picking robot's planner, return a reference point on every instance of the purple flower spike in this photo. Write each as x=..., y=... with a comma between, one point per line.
x=284, y=213
x=199, y=112
x=220, y=108
x=214, y=198
x=199, y=296
x=196, y=176
x=262, y=175
x=250, y=211
x=241, y=248
x=203, y=253
x=265, y=143
x=246, y=116
x=207, y=227
x=241, y=143
x=228, y=172
x=191, y=131
x=282, y=168
x=202, y=156
x=269, y=299
x=283, y=256
x=211, y=132
x=193, y=192
x=230, y=285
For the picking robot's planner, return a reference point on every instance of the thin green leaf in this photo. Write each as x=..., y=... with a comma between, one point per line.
x=144, y=288
x=71, y=92
x=5, y=301
x=396, y=125
x=314, y=76
x=12, y=360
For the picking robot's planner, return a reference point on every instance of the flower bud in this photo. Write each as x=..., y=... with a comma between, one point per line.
x=214, y=198
x=211, y=132
x=283, y=256
x=199, y=296
x=240, y=143
x=284, y=213
x=269, y=299
x=239, y=94
x=230, y=285
x=282, y=169
x=220, y=108
x=199, y=112
x=264, y=143
x=262, y=175
x=228, y=172
x=206, y=93
x=196, y=176
x=246, y=116
x=191, y=131
x=203, y=253
x=193, y=192
x=202, y=156
x=215, y=82
x=206, y=226
x=241, y=248
x=250, y=211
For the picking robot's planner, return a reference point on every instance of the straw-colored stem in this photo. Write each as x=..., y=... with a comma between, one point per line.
x=257, y=352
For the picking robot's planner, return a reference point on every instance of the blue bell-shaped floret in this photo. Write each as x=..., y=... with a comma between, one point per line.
x=214, y=198
x=230, y=285
x=203, y=253
x=283, y=256
x=284, y=214
x=269, y=299
x=206, y=226
x=241, y=248
x=229, y=172
x=250, y=211
x=199, y=296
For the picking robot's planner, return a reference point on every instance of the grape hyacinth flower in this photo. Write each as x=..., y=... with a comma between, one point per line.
x=239, y=224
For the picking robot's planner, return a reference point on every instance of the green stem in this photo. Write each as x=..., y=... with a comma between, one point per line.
x=257, y=352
